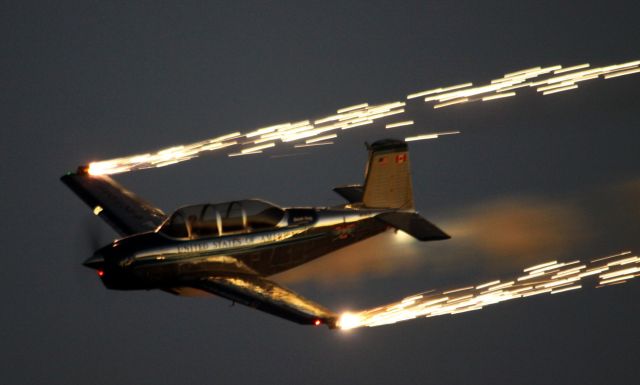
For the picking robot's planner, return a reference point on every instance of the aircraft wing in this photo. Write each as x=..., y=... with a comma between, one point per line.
x=124, y=211
x=269, y=297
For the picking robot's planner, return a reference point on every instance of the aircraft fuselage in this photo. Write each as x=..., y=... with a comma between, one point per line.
x=154, y=260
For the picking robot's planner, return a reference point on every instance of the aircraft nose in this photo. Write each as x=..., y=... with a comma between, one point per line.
x=95, y=262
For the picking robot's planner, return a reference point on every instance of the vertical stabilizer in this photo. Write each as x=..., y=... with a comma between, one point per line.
x=388, y=176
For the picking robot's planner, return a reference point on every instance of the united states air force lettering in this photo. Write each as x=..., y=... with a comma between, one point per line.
x=233, y=242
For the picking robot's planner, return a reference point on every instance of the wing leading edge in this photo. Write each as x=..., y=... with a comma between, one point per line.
x=124, y=211
x=269, y=297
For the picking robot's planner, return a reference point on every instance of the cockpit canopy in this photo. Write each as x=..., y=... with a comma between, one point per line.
x=211, y=220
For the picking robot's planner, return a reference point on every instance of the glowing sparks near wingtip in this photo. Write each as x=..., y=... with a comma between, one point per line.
x=164, y=157
x=257, y=148
x=438, y=90
x=399, y=124
x=312, y=144
x=547, y=278
x=321, y=138
x=560, y=89
x=435, y=135
x=351, y=108
x=234, y=154
x=622, y=73
x=572, y=68
x=546, y=80
x=549, y=77
x=498, y=96
x=451, y=103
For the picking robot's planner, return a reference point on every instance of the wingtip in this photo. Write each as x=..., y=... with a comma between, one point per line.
x=81, y=170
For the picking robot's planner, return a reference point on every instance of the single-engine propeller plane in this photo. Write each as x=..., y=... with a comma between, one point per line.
x=229, y=249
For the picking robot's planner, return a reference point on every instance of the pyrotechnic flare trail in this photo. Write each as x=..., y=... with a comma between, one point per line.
x=547, y=278
x=547, y=81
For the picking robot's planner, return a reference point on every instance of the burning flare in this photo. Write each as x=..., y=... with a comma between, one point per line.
x=550, y=277
x=547, y=80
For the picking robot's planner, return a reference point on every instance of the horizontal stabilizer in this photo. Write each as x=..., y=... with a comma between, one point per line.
x=120, y=208
x=352, y=193
x=414, y=225
x=269, y=297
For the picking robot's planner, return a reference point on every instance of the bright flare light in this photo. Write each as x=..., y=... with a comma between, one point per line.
x=550, y=277
x=349, y=321
x=547, y=80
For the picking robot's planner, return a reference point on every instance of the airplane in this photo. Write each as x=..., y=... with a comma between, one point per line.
x=230, y=249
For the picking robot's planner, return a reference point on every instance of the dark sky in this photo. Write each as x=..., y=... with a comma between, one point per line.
x=95, y=80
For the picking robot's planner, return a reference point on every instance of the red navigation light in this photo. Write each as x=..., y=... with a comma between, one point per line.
x=317, y=322
x=100, y=273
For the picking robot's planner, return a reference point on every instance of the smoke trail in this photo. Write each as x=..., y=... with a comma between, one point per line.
x=500, y=234
x=382, y=255
x=513, y=230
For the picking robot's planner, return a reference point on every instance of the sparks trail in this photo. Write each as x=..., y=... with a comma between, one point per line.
x=547, y=81
x=551, y=277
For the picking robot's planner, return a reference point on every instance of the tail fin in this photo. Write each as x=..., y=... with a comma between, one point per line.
x=120, y=208
x=388, y=177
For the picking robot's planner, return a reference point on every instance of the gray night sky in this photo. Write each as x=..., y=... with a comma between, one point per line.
x=95, y=80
